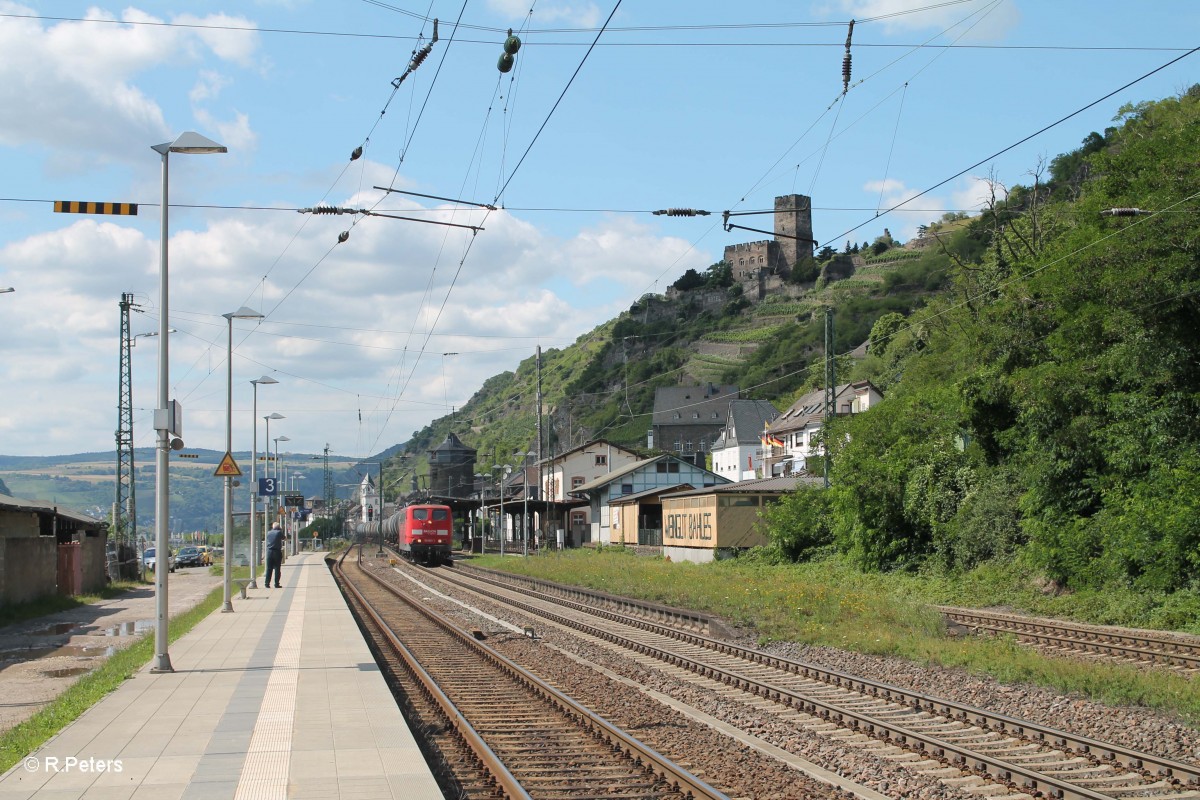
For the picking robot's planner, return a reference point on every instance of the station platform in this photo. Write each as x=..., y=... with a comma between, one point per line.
x=279, y=699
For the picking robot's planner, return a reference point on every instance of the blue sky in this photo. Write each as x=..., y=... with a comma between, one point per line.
x=710, y=105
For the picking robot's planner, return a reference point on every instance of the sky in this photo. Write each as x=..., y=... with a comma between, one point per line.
x=612, y=110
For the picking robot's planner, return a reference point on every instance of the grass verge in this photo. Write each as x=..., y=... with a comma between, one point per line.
x=831, y=604
x=27, y=736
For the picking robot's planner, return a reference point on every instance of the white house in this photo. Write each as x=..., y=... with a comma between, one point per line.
x=737, y=453
x=572, y=469
x=794, y=437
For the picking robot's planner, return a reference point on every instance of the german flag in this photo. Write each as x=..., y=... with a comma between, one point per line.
x=770, y=440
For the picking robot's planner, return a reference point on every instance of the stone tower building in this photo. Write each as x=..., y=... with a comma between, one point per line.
x=452, y=468
x=759, y=265
x=793, y=218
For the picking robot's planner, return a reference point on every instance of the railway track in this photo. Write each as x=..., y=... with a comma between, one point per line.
x=1020, y=756
x=1121, y=645
x=515, y=736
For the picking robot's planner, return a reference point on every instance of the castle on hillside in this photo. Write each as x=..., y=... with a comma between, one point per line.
x=762, y=266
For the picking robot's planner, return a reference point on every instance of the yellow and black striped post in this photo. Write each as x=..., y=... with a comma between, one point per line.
x=86, y=207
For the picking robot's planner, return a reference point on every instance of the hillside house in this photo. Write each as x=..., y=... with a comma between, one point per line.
x=688, y=420
x=794, y=437
x=738, y=452
x=562, y=474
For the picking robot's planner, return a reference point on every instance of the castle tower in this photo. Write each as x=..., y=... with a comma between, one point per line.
x=793, y=217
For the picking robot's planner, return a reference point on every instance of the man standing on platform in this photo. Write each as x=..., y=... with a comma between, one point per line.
x=275, y=538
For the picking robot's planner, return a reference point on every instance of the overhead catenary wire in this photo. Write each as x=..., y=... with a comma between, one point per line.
x=1020, y=141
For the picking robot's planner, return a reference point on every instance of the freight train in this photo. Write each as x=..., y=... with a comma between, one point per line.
x=420, y=532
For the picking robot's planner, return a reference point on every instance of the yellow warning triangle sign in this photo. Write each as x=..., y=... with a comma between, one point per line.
x=228, y=468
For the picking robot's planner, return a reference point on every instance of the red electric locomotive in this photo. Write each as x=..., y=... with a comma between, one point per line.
x=421, y=532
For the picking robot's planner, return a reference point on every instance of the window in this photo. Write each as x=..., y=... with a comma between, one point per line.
x=626, y=488
x=678, y=445
x=675, y=415
x=441, y=513
x=695, y=415
x=687, y=446
x=576, y=481
x=578, y=519
x=716, y=415
x=420, y=513
x=602, y=461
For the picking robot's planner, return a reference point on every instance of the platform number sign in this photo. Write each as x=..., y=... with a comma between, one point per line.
x=268, y=487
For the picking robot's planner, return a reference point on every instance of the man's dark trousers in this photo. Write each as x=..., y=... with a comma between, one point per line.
x=274, y=563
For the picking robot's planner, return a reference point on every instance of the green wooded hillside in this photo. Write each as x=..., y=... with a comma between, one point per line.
x=1039, y=362
x=1044, y=410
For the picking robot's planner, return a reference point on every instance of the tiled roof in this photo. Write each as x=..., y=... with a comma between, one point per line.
x=687, y=401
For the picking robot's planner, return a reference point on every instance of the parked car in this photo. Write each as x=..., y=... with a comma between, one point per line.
x=150, y=560
x=189, y=557
x=205, y=555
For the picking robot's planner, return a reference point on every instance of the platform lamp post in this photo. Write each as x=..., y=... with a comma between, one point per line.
x=279, y=517
x=264, y=381
x=483, y=479
x=241, y=313
x=291, y=514
x=271, y=470
x=505, y=469
x=525, y=497
x=164, y=423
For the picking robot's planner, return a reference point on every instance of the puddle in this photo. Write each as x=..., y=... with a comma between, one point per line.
x=56, y=629
x=76, y=651
x=67, y=672
x=130, y=628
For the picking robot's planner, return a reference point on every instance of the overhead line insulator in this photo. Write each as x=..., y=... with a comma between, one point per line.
x=681, y=212
x=846, y=60
x=1124, y=212
x=508, y=58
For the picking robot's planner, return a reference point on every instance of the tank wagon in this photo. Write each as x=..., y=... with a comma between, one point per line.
x=420, y=532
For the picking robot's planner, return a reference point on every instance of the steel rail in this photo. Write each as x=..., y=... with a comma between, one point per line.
x=1165, y=768
x=1137, y=646
x=680, y=779
x=504, y=779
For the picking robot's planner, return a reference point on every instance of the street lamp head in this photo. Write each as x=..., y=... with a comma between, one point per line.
x=242, y=313
x=274, y=415
x=264, y=380
x=190, y=142
x=282, y=439
x=7, y=289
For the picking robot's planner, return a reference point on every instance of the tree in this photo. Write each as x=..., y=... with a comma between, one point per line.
x=883, y=330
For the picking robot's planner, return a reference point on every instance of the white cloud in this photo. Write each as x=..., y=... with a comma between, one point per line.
x=347, y=323
x=208, y=86
x=65, y=76
x=984, y=20
x=973, y=194
x=584, y=15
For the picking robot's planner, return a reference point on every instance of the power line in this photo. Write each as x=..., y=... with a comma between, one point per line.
x=1017, y=143
x=631, y=29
